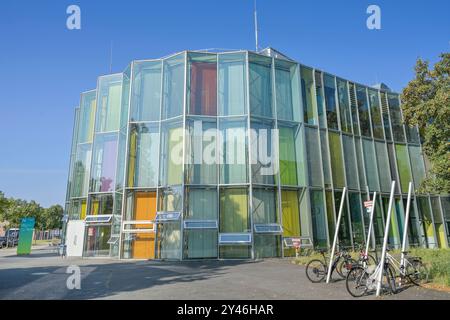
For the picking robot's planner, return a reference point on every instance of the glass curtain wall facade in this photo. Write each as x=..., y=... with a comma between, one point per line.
x=233, y=155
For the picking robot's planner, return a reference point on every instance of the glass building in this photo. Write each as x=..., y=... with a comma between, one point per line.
x=136, y=182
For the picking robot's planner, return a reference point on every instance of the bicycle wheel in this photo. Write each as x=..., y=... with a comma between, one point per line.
x=344, y=267
x=356, y=281
x=389, y=279
x=316, y=271
x=417, y=273
x=371, y=261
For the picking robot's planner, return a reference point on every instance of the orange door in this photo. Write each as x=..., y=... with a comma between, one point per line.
x=144, y=209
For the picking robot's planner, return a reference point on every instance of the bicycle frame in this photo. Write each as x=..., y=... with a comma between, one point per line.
x=398, y=267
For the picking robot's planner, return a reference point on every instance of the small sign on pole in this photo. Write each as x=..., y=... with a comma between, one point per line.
x=368, y=204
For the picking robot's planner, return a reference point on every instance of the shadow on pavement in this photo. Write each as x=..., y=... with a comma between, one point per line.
x=104, y=280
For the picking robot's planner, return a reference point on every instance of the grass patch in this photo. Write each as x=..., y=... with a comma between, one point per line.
x=41, y=242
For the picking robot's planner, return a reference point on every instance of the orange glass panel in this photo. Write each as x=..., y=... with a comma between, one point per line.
x=144, y=209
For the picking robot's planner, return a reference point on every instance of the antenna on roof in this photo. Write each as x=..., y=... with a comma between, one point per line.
x=256, y=27
x=111, y=57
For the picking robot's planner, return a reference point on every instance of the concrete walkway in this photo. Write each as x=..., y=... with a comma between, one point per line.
x=42, y=275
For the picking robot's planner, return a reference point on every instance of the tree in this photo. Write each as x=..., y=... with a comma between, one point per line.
x=4, y=203
x=52, y=217
x=426, y=103
x=19, y=209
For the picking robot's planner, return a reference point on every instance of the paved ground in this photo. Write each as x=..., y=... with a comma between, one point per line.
x=42, y=275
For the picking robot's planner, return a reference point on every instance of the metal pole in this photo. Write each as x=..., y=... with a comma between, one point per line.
x=386, y=233
x=405, y=227
x=338, y=223
x=370, y=231
x=256, y=28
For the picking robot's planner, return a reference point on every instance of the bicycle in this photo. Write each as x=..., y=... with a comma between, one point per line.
x=368, y=260
x=317, y=270
x=360, y=279
x=412, y=270
x=363, y=278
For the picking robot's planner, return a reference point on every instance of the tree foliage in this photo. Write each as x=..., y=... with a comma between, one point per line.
x=13, y=210
x=426, y=103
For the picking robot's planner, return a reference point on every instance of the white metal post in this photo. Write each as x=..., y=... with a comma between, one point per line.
x=405, y=227
x=336, y=232
x=370, y=231
x=386, y=233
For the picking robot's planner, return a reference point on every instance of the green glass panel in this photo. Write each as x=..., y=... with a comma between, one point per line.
x=232, y=80
x=173, y=86
x=360, y=162
x=170, y=199
x=146, y=91
x=356, y=218
x=168, y=241
x=325, y=158
x=233, y=167
x=202, y=204
x=201, y=243
x=235, y=252
x=81, y=171
x=331, y=217
x=308, y=94
x=171, y=154
x=288, y=155
x=375, y=112
x=265, y=209
x=87, y=117
x=318, y=219
x=344, y=106
x=263, y=152
x=417, y=164
x=364, y=111
x=313, y=155
x=267, y=246
x=383, y=165
x=201, y=163
x=104, y=163
x=287, y=90
x=396, y=117
x=109, y=103
x=330, y=101
x=370, y=165
x=337, y=164
x=427, y=220
x=350, y=162
x=143, y=155
x=260, y=84
x=344, y=228
x=403, y=166
x=394, y=235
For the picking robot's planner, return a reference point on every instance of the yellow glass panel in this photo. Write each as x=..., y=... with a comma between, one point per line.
x=132, y=160
x=234, y=210
x=441, y=235
x=83, y=210
x=291, y=216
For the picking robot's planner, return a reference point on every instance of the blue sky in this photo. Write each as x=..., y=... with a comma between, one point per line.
x=45, y=66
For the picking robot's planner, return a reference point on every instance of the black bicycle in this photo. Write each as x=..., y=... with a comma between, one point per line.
x=317, y=270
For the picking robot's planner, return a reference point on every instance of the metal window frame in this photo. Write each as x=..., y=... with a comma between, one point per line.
x=187, y=226
x=257, y=226
x=248, y=242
